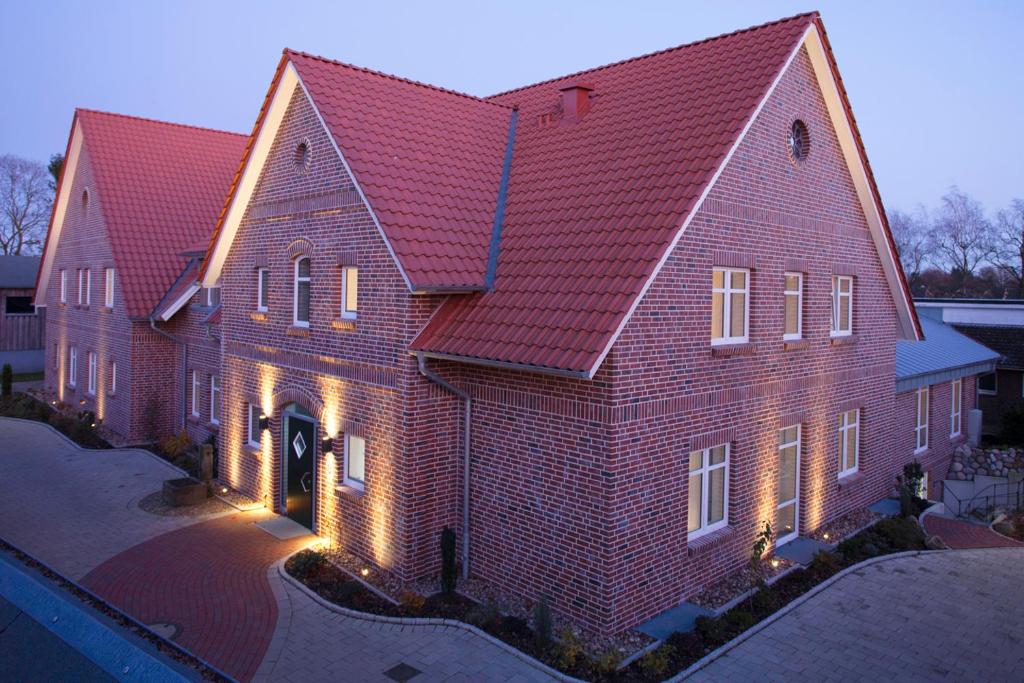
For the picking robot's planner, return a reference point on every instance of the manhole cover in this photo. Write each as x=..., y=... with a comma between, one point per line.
x=165, y=629
x=402, y=672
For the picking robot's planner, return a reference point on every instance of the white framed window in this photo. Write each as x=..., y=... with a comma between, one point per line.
x=921, y=428
x=355, y=462
x=254, y=425
x=195, y=393
x=300, y=315
x=349, y=292
x=113, y=378
x=956, y=388
x=108, y=287
x=92, y=373
x=262, y=288
x=730, y=289
x=849, y=442
x=788, y=488
x=987, y=384
x=72, y=366
x=842, y=306
x=214, y=400
x=211, y=296
x=794, y=314
x=63, y=286
x=708, y=507
x=81, y=286
x=88, y=286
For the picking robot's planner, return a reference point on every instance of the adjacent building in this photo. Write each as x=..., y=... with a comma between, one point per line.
x=22, y=326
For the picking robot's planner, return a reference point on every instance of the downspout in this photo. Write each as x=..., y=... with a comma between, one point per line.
x=185, y=386
x=436, y=379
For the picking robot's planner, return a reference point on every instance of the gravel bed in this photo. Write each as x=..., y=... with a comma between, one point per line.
x=845, y=526
x=738, y=583
x=378, y=578
x=235, y=499
x=154, y=504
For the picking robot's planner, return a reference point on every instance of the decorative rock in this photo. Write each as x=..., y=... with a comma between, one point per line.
x=957, y=467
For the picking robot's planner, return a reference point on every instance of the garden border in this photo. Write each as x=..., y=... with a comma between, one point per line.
x=764, y=623
x=410, y=621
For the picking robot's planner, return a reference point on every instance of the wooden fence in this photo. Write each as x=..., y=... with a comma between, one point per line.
x=23, y=331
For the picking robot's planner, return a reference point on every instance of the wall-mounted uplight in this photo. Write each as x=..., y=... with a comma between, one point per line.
x=264, y=422
x=327, y=445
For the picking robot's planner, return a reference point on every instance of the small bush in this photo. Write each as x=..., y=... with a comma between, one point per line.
x=901, y=534
x=413, y=603
x=656, y=662
x=823, y=565
x=516, y=627
x=711, y=630
x=739, y=620
x=174, y=447
x=607, y=662
x=688, y=646
x=484, y=615
x=6, y=380
x=448, y=573
x=542, y=624
x=304, y=563
x=764, y=601
x=568, y=649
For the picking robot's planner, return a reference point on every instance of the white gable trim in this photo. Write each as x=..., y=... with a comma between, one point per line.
x=844, y=131
x=169, y=312
x=67, y=182
x=265, y=137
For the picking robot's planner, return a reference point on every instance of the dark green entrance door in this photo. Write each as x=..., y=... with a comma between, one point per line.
x=301, y=447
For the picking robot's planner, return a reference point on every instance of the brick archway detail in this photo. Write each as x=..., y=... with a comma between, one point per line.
x=287, y=395
x=300, y=247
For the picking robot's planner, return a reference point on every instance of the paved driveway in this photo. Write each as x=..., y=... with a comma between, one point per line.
x=949, y=616
x=74, y=508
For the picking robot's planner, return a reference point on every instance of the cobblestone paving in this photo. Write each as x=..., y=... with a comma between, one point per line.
x=960, y=534
x=74, y=508
x=949, y=616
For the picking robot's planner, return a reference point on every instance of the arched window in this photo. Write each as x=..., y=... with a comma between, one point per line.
x=301, y=308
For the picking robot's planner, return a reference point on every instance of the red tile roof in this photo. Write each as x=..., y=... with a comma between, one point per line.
x=428, y=160
x=592, y=207
x=160, y=187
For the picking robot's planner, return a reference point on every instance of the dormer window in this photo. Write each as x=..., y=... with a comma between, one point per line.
x=300, y=317
x=211, y=296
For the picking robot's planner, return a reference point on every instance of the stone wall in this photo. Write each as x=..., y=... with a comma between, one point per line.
x=992, y=462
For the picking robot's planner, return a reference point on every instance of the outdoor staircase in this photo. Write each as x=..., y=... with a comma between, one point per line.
x=984, y=496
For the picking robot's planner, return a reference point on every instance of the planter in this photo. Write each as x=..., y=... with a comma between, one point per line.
x=184, y=491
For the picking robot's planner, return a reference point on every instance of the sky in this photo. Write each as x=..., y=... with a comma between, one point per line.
x=937, y=87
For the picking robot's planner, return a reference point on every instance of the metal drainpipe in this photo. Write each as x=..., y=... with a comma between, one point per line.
x=184, y=367
x=436, y=379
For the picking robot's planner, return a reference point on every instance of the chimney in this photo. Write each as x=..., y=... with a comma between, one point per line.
x=575, y=102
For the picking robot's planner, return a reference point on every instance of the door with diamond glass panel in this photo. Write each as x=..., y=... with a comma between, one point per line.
x=300, y=443
x=787, y=518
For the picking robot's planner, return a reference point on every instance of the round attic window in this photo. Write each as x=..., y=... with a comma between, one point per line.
x=301, y=158
x=799, y=140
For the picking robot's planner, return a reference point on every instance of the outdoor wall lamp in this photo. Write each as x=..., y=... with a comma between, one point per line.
x=327, y=445
x=264, y=422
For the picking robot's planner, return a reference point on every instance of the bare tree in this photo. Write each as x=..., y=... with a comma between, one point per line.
x=910, y=231
x=1010, y=244
x=961, y=235
x=25, y=201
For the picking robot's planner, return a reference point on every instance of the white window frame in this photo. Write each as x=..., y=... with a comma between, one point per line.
x=295, y=293
x=727, y=291
x=81, y=286
x=705, y=471
x=799, y=294
x=798, y=443
x=845, y=425
x=837, y=297
x=261, y=277
x=921, y=428
x=346, y=312
x=63, y=286
x=208, y=296
x=956, y=407
x=254, y=412
x=73, y=367
x=995, y=384
x=91, y=382
x=195, y=393
x=108, y=293
x=88, y=286
x=113, y=378
x=214, y=398
x=358, y=484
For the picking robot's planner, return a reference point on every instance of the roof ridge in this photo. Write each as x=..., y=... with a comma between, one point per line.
x=393, y=77
x=152, y=120
x=810, y=15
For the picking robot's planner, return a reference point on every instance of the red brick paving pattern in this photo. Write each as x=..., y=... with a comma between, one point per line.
x=959, y=534
x=211, y=579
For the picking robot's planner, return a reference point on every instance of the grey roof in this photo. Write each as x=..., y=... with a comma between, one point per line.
x=943, y=355
x=19, y=272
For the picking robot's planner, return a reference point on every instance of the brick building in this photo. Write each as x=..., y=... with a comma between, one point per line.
x=603, y=326
x=134, y=197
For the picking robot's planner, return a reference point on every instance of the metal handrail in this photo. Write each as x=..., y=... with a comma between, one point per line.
x=988, y=496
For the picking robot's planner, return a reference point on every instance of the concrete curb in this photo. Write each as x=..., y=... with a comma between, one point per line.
x=991, y=527
x=420, y=621
x=765, y=623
